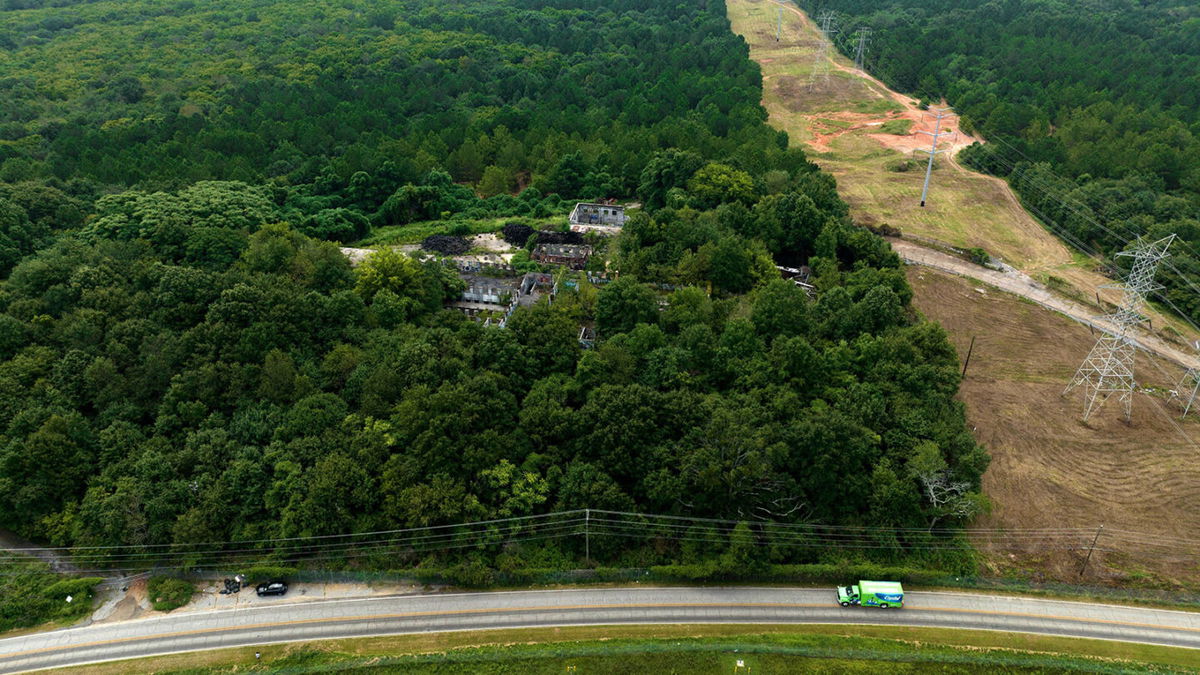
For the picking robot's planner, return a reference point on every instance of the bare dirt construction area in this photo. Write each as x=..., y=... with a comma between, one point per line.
x=1049, y=469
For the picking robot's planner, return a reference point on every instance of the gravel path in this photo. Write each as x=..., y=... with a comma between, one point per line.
x=1019, y=283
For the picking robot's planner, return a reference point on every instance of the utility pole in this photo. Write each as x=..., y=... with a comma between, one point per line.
x=933, y=151
x=967, y=362
x=1091, y=548
x=587, y=535
x=1108, y=368
x=864, y=35
x=779, y=23
x=820, y=66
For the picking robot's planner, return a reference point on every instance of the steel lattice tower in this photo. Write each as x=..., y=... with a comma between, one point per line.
x=820, y=66
x=933, y=151
x=864, y=36
x=1188, y=384
x=1108, y=368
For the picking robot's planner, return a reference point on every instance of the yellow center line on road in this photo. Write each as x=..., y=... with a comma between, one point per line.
x=563, y=608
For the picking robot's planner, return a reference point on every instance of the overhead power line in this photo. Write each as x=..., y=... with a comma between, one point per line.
x=588, y=525
x=826, y=28
x=1108, y=368
x=864, y=36
x=933, y=151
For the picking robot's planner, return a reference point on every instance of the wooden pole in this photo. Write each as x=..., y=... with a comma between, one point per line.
x=968, y=360
x=1090, y=549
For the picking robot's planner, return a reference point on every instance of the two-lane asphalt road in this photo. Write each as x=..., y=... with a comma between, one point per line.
x=317, y=620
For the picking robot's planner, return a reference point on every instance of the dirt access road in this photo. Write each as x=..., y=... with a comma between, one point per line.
x=12, y=543
x=1018, y=283
x=924, y=122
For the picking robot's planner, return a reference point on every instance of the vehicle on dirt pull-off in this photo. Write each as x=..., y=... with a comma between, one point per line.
x=882, y=594
x=272, y=588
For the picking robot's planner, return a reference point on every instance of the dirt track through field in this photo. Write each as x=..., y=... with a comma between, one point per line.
x=1018, y=283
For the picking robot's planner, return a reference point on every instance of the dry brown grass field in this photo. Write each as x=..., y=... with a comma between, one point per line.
x=1049, y=470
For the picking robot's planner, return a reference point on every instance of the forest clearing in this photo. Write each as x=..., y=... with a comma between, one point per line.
x=837, y=121
x=1048, y=468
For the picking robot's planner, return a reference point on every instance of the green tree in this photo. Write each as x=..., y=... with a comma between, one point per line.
x=403, y=276
x=496, y=181
x=624, y=304
x=717, y=183
x=666, y=170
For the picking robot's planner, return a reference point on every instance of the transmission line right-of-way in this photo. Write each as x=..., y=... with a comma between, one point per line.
x=589, y=525
x=933, y=151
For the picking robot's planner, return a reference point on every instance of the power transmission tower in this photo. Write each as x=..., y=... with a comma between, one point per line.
x=820, y=66
x=933, y=151
x=1108, y=368
x=1189, y=384
x=1189, y=381
x=864, y=36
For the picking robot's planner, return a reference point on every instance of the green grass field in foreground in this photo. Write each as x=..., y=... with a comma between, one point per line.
x=686, y=649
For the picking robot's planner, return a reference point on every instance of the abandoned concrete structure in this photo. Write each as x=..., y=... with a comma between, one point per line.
x=486, y=298
x=597, y=217
x=573, y=256
x=496, y=294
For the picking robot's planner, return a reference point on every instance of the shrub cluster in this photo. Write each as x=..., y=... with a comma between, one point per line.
x=517, y=233
x=446, y=244
x=168, y=593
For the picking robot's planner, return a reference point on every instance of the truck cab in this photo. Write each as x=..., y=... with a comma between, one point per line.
x=848, y=595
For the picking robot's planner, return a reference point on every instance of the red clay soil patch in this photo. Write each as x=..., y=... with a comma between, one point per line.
x=824, y=133
x=926, y=121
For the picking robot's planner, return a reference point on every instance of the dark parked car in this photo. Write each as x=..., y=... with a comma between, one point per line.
x=272, y=588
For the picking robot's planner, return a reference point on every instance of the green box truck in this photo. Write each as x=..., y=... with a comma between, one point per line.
x=872, y=594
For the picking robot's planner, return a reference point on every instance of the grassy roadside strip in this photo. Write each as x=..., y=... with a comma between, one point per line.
x=683, y=648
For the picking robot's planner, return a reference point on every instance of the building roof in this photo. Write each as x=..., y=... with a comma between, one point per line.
x=565, y=250
x=600, y=205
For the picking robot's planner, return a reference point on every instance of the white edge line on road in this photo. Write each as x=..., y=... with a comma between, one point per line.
x=629, y=623
x=458, y=594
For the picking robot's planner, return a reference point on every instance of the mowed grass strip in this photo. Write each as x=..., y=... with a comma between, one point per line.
x=682, y=649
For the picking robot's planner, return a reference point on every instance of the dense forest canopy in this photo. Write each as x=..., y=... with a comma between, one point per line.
x=1092, y=108
x=186, y=360
x=158, y=94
